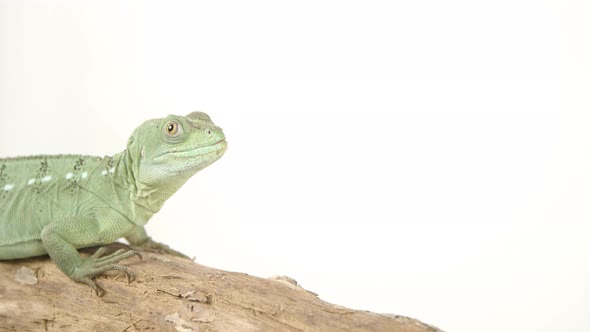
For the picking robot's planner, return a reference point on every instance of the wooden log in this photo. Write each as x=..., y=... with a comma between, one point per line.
x=173, y=294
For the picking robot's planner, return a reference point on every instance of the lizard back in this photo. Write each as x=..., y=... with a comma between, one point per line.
x=36, y=189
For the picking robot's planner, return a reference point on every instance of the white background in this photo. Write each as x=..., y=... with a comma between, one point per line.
x=423, y=158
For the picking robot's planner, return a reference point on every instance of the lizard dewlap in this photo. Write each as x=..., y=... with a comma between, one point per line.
x=56, y=204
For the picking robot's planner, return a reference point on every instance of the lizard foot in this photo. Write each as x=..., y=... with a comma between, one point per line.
x=154, y=246
x=96, y=265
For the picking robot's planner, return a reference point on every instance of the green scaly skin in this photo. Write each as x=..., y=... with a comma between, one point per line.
x=57, y=204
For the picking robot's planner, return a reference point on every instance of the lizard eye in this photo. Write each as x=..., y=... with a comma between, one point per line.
x=173, y=129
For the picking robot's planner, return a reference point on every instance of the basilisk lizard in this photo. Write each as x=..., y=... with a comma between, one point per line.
x=57, y=204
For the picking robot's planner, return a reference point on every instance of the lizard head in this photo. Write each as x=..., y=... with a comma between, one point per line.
x=175, y=147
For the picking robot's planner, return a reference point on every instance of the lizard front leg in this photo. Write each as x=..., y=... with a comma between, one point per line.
x=60, y=240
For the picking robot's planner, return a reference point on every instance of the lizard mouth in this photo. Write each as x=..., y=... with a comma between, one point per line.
x=202, y=151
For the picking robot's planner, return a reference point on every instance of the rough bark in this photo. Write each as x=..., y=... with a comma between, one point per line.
x=173, y=294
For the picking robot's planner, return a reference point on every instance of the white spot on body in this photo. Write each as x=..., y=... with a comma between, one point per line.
x=112, y=170
x=104, y=172
x=84, y=175
x=8, y=187
x=69, y=176
x=46, y=179
x=31, y=181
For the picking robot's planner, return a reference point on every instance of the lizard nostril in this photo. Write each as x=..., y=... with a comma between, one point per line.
x=208, y=131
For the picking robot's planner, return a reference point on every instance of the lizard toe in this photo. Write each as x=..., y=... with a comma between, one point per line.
x=93, y=285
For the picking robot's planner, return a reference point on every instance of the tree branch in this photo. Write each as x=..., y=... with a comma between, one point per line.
x=173, y=294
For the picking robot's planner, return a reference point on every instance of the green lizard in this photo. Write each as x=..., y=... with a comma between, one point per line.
x=57, y=204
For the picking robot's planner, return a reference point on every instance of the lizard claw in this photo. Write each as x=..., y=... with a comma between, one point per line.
x=95, y=287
